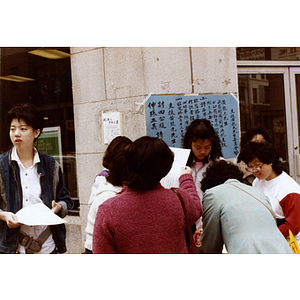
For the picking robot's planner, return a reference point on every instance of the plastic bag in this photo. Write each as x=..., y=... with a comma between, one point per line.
x=293, y=243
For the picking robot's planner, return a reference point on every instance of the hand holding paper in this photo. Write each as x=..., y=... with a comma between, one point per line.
x=180, y=159
x=10, y=219
x=56, y=207
x=186, y=170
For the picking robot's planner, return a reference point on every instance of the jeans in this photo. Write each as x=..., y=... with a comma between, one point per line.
x=87, y=251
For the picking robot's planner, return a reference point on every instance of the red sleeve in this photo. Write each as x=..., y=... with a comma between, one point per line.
x=103, y=240
x=291, y=208
x=190, y=197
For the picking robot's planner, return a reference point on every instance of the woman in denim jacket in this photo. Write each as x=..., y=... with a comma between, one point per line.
x=29, y=177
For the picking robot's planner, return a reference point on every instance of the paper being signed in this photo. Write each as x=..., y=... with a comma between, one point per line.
x=38, y=214
x=180, y=159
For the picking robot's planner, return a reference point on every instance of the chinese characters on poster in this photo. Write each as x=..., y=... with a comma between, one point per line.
x=169, y=115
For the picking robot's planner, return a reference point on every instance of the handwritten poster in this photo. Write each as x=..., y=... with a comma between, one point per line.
x=111, y=125
x=168, y=116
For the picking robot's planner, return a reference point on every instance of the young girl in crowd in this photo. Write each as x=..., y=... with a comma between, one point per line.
x=205, y=147
x=108, y=183
x=283, y=191
x=29, y=177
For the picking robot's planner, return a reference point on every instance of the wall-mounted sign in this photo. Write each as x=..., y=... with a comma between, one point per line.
x=169, y=115
x=49, y=142
x=111, y=123
x=285, y=53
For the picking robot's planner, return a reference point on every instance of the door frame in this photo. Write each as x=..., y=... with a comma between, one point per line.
x=288, y=70
x=293, y=72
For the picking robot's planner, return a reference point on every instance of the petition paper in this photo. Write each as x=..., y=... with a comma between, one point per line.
x=38, y=214
x=180, y=159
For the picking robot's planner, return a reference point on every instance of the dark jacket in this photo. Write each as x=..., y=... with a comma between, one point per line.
x=53, y=188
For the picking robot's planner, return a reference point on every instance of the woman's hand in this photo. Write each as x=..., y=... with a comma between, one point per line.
x=186, y=170
x=10, y=219
x=56, y=207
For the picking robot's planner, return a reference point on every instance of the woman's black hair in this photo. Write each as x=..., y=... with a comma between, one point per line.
x=202, y=129
x=258, y=129
x=29, y=113
x=114, y=160
x=148, y=160
x=218, y=172
x=264, y=152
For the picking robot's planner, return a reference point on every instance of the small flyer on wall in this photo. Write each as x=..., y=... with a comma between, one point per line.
x=111, y=122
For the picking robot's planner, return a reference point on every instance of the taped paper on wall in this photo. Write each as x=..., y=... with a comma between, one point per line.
x=111, y=122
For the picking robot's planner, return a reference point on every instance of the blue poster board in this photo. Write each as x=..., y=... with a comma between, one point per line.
x=168, y=116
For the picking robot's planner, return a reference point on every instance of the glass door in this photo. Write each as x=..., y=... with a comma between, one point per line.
x=294, y=73
x=264, y=95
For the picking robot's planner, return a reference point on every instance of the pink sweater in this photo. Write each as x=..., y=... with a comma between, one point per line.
x=146, y=222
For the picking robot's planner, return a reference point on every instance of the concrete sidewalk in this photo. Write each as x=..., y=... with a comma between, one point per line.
x=74, y=240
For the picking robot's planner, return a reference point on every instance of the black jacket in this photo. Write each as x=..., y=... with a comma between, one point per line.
x=53, y=188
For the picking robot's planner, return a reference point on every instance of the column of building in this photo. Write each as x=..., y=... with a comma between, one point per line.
x=119, y=79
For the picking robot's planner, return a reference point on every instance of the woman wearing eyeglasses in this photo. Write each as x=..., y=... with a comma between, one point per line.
x=258, y=134
x=283, y=191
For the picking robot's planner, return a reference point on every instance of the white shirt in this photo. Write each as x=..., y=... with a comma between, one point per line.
x=198, y=171
x=276, y=189
x=31, y=189
x=105, y=190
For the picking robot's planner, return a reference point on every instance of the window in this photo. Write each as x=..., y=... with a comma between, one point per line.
x=268, y=53
x=254, y=91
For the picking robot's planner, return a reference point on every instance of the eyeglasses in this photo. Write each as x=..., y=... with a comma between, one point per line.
x=254, y=168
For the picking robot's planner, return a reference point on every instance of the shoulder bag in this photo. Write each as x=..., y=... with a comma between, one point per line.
x=190, y=242
x=268, y=207
x=292, y=240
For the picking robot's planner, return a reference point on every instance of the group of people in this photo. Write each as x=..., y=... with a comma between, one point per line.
x=233, y=212
x=250, y=206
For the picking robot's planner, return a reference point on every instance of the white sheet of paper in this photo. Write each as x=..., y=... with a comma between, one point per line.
x=180, y=159
x=38, y=214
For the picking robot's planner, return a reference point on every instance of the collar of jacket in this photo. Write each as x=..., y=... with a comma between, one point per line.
x=40, y=165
